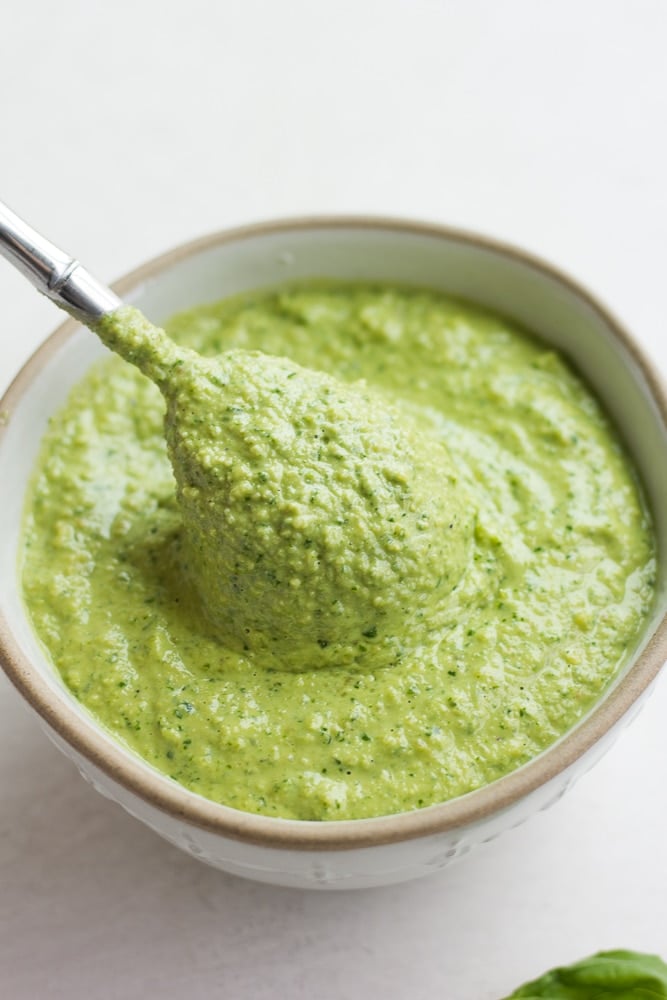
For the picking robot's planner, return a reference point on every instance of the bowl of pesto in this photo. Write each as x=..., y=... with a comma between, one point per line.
x=428, y=591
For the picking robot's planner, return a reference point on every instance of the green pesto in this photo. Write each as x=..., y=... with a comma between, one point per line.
x=322, y=527
x=453, y=654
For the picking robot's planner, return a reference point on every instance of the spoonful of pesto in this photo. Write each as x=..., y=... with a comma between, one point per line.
x=321, y=527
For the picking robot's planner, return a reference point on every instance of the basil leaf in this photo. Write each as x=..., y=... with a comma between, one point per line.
x=609, y=975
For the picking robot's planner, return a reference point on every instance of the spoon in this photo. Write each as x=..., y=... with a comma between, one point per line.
x=322, y=526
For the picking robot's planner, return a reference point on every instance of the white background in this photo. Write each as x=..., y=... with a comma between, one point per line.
x=128, y=127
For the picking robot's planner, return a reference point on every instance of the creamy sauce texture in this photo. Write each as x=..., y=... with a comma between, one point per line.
x=450, y=587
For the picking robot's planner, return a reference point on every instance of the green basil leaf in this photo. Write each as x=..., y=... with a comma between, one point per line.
x=609, y=975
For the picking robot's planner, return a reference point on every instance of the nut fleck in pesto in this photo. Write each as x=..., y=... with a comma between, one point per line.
x=403, y=552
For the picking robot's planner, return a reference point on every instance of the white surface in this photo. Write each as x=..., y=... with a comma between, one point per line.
x=129, y=127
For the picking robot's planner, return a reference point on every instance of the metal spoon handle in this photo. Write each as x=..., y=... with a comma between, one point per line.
x=52, y=271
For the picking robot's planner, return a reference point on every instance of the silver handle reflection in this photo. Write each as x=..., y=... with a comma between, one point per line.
x=52, y=271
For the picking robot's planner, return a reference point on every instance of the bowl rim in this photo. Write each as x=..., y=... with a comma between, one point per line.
x=136, y=776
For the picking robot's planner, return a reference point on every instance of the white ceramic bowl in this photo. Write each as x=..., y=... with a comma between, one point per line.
x=359, y=852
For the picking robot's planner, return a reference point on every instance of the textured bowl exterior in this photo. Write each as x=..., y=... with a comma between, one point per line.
x=357, y=853
x=353, y=868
